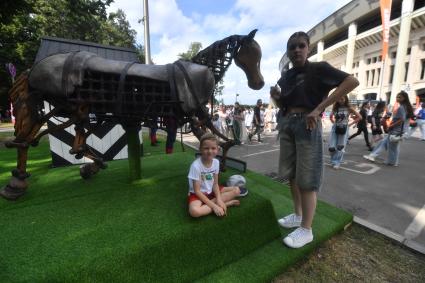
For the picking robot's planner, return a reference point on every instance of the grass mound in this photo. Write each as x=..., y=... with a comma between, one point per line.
x=66, y=229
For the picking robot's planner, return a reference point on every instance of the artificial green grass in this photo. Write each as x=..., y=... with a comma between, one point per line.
x=66, y=229
x=69, y=230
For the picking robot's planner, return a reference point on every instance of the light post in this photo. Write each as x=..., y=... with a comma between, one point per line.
x=237, y=97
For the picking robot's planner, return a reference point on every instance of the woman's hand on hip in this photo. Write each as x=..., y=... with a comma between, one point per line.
x=312, y=118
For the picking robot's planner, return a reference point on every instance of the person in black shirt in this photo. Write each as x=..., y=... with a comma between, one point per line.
x=362, y=125
x=256, y=121
x=302, y=97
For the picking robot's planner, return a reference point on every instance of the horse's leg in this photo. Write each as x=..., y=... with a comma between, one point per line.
x=89, y=169
x=17, y=184
x=27, y=125
x=36, y=140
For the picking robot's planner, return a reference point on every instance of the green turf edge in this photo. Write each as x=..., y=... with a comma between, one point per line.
x=272, y=259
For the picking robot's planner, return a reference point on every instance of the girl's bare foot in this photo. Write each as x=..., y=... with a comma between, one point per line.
x=234, y=202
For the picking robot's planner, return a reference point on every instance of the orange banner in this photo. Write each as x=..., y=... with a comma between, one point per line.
x=385, y=17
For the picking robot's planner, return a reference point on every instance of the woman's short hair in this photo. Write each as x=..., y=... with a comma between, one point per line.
x=299, y=34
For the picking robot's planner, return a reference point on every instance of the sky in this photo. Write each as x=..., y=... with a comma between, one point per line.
x=174, y=24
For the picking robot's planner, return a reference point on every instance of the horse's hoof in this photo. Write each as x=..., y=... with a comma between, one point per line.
x=85, y=171
x=10, y=193
x=17, y=183
x=79, y=155
x=103, y=165
x=34, y=143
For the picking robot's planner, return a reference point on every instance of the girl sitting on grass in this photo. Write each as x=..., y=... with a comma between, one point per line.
x=205, y=196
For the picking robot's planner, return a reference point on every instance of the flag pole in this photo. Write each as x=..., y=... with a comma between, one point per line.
x=147, y=34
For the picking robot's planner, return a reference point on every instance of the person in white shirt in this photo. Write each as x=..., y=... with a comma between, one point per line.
x=205, y=196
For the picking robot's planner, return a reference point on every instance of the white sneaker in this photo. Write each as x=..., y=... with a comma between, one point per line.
x=299, y=238
x=336, y=166
x=290, y=221
x=369, y=157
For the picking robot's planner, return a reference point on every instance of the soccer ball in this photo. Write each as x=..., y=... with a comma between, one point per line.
x=236, y=181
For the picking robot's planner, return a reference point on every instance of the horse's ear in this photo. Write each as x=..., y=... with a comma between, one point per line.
x=252, y=34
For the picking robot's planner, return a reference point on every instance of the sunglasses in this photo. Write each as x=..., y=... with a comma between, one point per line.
x=299, y=45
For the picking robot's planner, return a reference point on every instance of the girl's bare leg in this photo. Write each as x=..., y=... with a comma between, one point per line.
x=296, y=197
x=198, y=209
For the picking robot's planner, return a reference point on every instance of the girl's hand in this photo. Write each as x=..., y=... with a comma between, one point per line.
x=219, y=211
x=221, y=204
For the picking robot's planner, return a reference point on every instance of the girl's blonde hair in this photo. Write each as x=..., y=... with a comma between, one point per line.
x=207, y=136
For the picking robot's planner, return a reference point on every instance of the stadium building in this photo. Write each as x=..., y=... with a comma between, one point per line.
x=351, y=39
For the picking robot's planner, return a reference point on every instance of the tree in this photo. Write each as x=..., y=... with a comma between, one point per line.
x=194, y=48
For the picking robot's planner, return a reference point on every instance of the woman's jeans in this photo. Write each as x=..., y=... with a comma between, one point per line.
x=337, y=144
x=392, y=147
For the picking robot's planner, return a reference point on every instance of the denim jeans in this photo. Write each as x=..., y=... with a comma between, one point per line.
x=301, y=152
x=335, y=141
x=392, y=147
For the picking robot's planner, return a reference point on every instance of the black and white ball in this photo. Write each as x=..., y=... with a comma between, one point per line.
x=236, y=181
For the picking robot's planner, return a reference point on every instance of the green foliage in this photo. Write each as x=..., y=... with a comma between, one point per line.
x=194, y=48
x=24, y=22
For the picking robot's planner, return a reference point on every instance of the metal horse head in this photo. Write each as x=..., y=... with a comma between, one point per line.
x=248, y=58
x=243, y=48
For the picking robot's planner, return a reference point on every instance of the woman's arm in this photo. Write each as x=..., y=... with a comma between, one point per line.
x=356, y=117
x=344, y=88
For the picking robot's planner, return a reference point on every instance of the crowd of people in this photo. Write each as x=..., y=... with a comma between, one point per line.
x=245, y=123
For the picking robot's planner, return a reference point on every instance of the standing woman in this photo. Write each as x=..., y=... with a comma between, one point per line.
x=362, y=125
x=341, y=113
x=222, y=116
x=399, y=123
x=302, y=97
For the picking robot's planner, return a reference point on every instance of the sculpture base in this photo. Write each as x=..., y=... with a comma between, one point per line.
x=108, y=229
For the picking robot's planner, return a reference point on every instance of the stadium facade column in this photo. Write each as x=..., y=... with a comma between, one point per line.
x=320, y=48
x=351, y=45
x=403, y=42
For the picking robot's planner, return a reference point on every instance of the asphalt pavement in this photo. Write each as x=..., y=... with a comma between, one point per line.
x=390, y=200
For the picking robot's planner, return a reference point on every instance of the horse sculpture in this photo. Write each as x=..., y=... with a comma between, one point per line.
x=81, y=83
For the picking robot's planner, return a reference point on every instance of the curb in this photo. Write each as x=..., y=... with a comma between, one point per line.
x=411, y=244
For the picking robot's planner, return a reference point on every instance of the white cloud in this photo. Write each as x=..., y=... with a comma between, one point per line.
x=172, y=31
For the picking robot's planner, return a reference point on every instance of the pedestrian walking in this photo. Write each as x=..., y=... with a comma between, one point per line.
x=341, y=113
x=420, y=123
x=377, y=118
x=391, y=142
x=256, y=121
x=362, y=125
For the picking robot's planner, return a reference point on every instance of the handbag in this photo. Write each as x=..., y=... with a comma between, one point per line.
x=398, y=137
x=340, y=129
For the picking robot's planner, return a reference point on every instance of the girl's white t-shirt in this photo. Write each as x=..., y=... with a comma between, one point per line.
x=204, y=174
